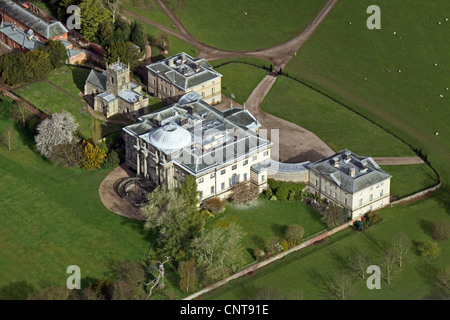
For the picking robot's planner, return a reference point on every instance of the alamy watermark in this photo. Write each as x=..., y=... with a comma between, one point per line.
x=74, y=21
x=74, y=281
x=374, y=281
x=374, y=21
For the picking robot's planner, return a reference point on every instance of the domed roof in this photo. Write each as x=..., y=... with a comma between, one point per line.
x=170, y=137
x=189, y=97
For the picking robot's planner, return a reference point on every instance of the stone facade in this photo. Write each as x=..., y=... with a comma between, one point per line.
x=114, y=92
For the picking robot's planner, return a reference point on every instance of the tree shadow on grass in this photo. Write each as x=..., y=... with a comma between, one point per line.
x=279, y=229
x=427, y=226
x=17, y=290
x=379, y=244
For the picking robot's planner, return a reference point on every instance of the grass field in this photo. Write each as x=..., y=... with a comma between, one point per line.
x=53, y=217
x=223, y=24
x=240, y=79
x=149, y=9
x=268, y=219
x=48, y=98
x=336, y=125
x=409, y=179
x=302, y=271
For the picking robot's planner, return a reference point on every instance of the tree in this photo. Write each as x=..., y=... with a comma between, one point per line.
x=37, y=65
x=188, y=275
x=113, y=6
x=188, y=190
x=334, y=216
x=159, y=280
x=387, y=265
x=137, y=35
x=163, y=41
x=59, y=129
x=8, y=137
x=67, y=155
x=168, y=213
x=294, y=234
x=358, y=262
x=400, y=247
x=272, y=293
x=96, y=130
x=93, y=14
x=125, y=52
x=219, y=251
x=20, y=112
x=93, y=156
x=214, y=205
x=441, y=230
x=340, y=286
x=429, y=249
x=57, y=52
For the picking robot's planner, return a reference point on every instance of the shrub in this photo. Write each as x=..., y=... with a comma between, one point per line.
x=294, y=234
x=272, y=245
x=285, y=245
x=441, y=230
x=214, y=205
x=282, y=192
x=112, y=160
x=429, y=249
x=245, y=193
x=373, y=217
x=258, y=253
x=273, y=198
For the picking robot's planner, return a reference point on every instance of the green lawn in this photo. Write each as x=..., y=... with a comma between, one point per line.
x=47, y=98
x=53, y=217
x=223, y=24
x=302, y=271
x=149, y=9
x=268, y=219
x=240, y=79
x=337, y=126
x=409, y=179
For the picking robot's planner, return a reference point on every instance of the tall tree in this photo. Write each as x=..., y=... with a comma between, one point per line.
x=387, y=265
x=189, y=191
x=57, y=130
x=358, y=262
x=188, y=275
x=8, y=137
x=137, y=35
x=219, y=251
x=340, y=286
x=113, y=6
x=20, y=112
x=401, y=246
x=167, y=213
x=93, y=14
x=57, y=52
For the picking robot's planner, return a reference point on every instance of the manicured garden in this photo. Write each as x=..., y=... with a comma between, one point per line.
x=266, y=219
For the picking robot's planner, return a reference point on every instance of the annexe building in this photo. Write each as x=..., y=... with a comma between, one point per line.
x=350, y=181
x=192, y=138
x=173, y=77
x=114, y=92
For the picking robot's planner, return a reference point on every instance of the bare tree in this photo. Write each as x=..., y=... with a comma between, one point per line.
x=54, y=131
x=113, y=6
x=341, y=286
x=387, y=265
x=159, y=280
x=358, y=262
x=8, y=136
x=20, y=112
x=400, y=247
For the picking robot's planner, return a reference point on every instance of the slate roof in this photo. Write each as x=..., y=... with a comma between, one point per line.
x=215, y=139
x=367, y=171
x=32, y=21
x=187, y=74
x=108, y=97
x=130, y=96
x=97, y=79
x=20, y=36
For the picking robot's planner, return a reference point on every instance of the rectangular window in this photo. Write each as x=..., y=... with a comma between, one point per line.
x=345, y=201
x=263, y=178
x=245, y=162
x=200, y=180
x=222, y=172
x=317, y=183
x=335, y=195
x=223, y=186
x=201, y=194
x=203, y=94
x=212, y=190
x=245, y=177
x=330, y=192
x=266, y=153
x=234, y=167
x=371, y=197
x=213, y=90
x=360, y=202
x=212, y=175
x=254, y=158
x=381, y=192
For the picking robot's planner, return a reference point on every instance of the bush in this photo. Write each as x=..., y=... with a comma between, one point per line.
x=285, y=245
x=245, y=193
x=214, y=205
x=294, y=234
x=112, y=160
x=258, y=253
x=441, y=230
x=373, y=217
x=272, y=245
x=282, y=192
x=429, y=249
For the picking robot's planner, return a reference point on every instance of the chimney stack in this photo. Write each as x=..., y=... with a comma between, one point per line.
x=336, y=161
x=352, y=171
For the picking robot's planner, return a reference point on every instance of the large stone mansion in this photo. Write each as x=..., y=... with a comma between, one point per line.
x=220, y=149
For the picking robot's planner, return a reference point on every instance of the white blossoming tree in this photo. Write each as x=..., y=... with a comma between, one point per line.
x=54, y=131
